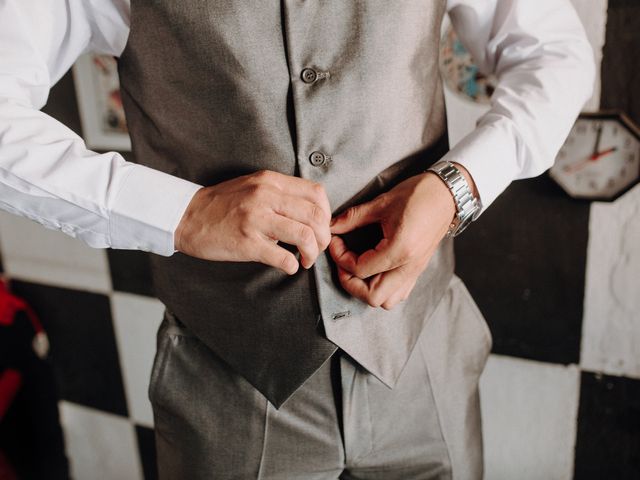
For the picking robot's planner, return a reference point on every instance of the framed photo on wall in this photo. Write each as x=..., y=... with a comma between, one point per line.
x=101, y=113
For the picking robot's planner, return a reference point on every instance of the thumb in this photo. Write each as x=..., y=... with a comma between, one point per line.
x=355, y=217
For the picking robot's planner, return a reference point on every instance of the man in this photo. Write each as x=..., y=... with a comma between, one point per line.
x=255, y=123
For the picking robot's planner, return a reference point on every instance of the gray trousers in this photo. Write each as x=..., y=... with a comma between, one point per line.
x=342, y=423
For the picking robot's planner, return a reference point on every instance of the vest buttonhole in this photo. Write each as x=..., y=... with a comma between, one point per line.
x=339, y=315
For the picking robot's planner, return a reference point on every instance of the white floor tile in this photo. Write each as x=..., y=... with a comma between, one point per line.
x=611, y=321
x=529, y=419
x=32, y=252
x=136, y=320
x=99, y=445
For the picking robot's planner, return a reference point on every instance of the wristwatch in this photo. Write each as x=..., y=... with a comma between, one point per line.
x=468, y=207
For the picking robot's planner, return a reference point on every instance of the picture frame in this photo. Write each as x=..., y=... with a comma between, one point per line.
x=100, y=103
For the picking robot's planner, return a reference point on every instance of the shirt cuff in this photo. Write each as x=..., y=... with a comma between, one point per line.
x=147, y=210
x=489, y=154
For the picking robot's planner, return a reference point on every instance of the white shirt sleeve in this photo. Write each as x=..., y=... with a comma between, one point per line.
x=545, y=67
x=46, y=172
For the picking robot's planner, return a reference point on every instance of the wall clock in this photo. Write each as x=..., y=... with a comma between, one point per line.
x=600, y=160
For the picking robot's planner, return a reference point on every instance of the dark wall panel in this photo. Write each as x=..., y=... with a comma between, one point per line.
x=608, y=443
x=621, y=57
x=523, y=261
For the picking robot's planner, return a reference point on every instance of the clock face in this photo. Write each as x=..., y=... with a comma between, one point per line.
x=600, y=158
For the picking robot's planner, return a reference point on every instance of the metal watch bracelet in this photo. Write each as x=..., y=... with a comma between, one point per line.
x=467, y=206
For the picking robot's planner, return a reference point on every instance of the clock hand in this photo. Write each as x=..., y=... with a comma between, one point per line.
x=583, y=163
x=597, y=155
x=597, y=144
x=577, y=166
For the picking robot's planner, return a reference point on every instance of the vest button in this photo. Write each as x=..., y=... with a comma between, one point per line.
x=317, y=159
x=309, y=75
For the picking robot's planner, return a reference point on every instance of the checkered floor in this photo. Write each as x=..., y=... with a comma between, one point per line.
x=542, y=398
x=556, y=279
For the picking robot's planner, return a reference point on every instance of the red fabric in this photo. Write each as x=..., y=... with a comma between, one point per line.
x=6, y=470
x=10, y=304
x=10, y=381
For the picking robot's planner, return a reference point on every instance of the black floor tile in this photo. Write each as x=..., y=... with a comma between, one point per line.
x=608, y=443
x=147, y=448
x=83, y=346
x=620, y=58
x=524, y=261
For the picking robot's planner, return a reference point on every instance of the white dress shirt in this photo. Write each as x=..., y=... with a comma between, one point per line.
x=537, y=48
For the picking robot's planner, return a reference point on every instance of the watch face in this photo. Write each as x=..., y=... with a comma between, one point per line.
x=600, y=159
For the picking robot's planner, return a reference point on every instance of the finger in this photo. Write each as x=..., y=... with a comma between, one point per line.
x=357, y=216
x=299, y=187
x=377, y=260
x=308, y=213
x=343, y=257
x=371, y=262
x=294, y=233
x=269, y=253
x=409, y=289
x=386, y=286
x=398, y=296
x=354, y=285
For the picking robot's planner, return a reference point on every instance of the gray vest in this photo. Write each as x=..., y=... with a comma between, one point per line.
x=217, y=89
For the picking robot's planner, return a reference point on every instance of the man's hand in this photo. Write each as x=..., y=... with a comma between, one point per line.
x=244, y=218
x=414, y=216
